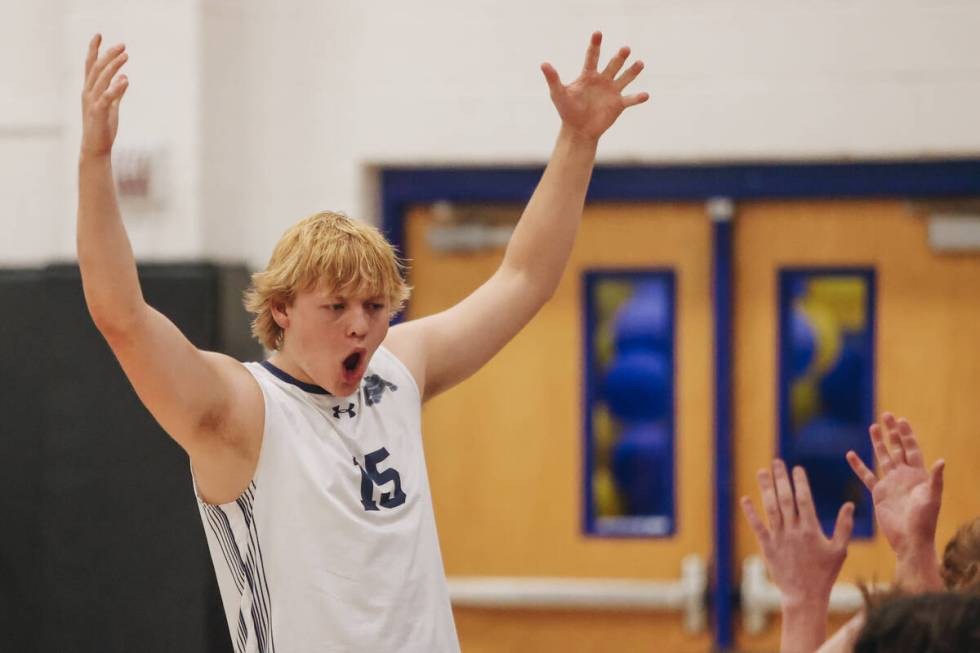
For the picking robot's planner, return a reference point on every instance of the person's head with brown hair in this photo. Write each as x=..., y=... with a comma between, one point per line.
x=935, y=622
x=960, y=568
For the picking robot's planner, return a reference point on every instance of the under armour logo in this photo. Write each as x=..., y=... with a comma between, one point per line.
x=337, y=412
x=374, y=387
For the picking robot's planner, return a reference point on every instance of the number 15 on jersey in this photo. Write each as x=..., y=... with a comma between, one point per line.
x=371, y=477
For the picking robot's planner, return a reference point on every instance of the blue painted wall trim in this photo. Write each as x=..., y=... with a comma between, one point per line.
x=723, y=588
x=402, y=187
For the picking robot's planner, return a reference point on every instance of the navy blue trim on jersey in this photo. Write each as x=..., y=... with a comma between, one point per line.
x=248, y=570
x=221, y=527
x=261, y=611
x=283, y=376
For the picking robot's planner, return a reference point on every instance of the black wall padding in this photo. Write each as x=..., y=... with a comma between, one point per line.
x=22, y=344
x=114, y=556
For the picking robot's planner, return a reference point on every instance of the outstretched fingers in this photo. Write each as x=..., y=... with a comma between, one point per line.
x=885, y=462
x=755, y=522
x=106, y=77
x=804, y=499
x=784, y=492
x=894, y=441
x=768, y=492
x=592, y=53
x=913, y=454
x=861, y=470
x=616, y=63
x=101, y=62
x=551, y=76
x=115, y=92
x=633, y=100
x=631, y=73
x=936, y=478
x=844, y=525
x=93, y=53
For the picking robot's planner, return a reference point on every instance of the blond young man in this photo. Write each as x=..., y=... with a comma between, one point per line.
x=308, y=466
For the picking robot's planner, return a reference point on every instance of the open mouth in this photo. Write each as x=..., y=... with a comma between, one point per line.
x=352, y=361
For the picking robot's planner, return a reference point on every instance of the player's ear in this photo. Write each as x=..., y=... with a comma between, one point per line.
x=280, y=313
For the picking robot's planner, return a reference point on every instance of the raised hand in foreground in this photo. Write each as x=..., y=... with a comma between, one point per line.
x=801, y=561
x=907, y=498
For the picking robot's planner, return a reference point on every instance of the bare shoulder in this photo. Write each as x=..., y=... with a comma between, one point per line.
x=224, y=463
x=240, y=420
x=407, y=342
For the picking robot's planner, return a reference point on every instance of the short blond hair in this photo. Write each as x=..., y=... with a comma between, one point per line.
x=349, y=257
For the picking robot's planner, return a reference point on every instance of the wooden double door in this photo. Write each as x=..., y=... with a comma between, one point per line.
x=505, y=450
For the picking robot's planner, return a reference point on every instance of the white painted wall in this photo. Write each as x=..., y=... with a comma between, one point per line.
x=41, y=72
x=160, y=112
x=31, y=183
x=269, y=112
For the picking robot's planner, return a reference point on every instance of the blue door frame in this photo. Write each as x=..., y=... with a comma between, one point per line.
x=403, y=187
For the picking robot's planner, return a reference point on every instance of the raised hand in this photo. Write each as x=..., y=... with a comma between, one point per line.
x=801, y=561
x=592, y=103
x=906, y=498
x=101, y=95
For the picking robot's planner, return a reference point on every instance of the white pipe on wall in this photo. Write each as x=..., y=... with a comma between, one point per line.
x=686, y=594
x=760, y=597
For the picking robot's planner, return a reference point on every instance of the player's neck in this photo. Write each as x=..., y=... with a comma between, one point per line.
x=287, y=364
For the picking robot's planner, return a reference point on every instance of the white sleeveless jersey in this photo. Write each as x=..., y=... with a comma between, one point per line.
x=333, y=546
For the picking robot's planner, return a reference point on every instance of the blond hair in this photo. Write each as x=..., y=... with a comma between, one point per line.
x=348, y=257
x=961, y=560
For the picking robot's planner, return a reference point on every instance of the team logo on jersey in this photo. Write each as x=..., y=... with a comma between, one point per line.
x=337, y=411
x=374, y=388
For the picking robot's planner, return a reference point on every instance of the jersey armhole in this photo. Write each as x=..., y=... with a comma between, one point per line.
x=255, y=369
x=404, y=368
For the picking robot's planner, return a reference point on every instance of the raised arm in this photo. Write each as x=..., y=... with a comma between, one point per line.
x=207, y=402
x=907, y=499
x=801, y=561
x=846, y=636
x=445, y=348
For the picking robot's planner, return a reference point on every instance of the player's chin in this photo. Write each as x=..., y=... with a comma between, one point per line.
x=349, y=382
x=346, y=383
